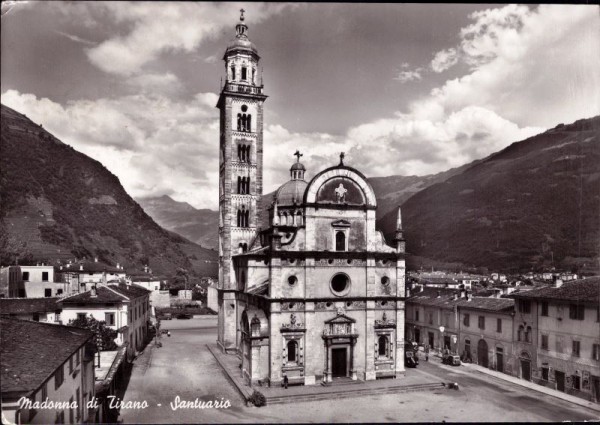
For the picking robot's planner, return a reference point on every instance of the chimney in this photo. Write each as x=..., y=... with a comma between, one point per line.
x=93, y=293
x=439, y=294
x=118, y=266
x=463, y=293
x=558, y=283
x=469, y=296
x=455, y=296
x=69, y=265
x=95, y=259
x=146, y=268
x=81, y=267
x=60, y=268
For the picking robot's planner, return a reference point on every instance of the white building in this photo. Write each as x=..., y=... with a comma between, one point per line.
x=57, y=367
x=46, y=310
x=124, y=308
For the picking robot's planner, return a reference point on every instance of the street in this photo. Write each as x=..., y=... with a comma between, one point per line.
x=184, y=367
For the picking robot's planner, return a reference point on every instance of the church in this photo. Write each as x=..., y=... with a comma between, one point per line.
x=308, y=288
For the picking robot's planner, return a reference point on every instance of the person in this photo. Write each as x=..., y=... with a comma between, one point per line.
x=427, y=353
x=285, y=381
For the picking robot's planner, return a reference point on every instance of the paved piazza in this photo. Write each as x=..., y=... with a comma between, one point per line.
x=184, y=367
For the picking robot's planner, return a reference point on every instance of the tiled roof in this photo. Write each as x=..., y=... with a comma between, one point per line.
x=429, y=297
x=28, y=305
x=113, y=293
x=103, y=296
x=89, y=266
x=130, y=291
x=583, y=290
x=30, y=352
x=488, y=304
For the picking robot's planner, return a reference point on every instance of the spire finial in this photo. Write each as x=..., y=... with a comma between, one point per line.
x=342, y=156
x=242, y=15
x=298, y=155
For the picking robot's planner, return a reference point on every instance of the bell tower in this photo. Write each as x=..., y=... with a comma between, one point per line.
x=240, y=172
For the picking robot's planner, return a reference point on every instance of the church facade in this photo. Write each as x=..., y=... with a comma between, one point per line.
x=308, y=289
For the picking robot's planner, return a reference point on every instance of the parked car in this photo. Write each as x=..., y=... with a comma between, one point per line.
x=165, y=316
x=410, y=359
x=184, y=316
x=452, y=360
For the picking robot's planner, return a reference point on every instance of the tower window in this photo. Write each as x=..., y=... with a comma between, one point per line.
x=243, y=185
x=340, y=241
x=244, y=153
x=233, y=72
x=244, y=122
x=243, y=217
x=244, y=72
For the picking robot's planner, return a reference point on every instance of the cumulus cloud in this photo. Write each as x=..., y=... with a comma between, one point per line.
x=156, y=30
x=527, y=70
x=444, y=59
x=406, y=76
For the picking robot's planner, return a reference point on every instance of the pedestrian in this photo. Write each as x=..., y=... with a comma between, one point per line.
x=427, y=353
x=285, y=381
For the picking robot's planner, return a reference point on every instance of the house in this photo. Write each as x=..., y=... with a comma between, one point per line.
x=486, y=332
x=124, y=308
x=560, y=325
x=43, y=363
x=431, y=318
x=110, y=378
x=45, y=310
x=83, y=275
x=30, y=282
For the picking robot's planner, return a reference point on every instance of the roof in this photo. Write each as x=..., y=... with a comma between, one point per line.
x=291, y=192
x=582, y=290
x=28, y=305
x=88, y=267
x=429, y=298
x=107, y=294
x=32, y=351
x=488, y=304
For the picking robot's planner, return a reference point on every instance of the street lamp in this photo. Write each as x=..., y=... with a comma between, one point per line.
x=442, y=332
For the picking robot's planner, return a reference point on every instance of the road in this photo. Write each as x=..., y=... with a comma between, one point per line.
x=184, y=367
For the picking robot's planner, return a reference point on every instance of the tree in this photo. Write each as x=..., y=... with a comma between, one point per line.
x=104, y=336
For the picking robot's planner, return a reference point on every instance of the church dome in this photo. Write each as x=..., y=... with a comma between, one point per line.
x=298, y=166
x=291, y=193
x=241, y=43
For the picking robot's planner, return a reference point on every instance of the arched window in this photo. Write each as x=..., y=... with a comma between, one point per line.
x=292, y=351
x=239, y=122
x=239, y=218
x=340, y=241
x=247, y=218
x=239, y=186
x=520, y=333
x=244, y=247
x=249, y=123
x=233, y=72
x=285, y=219
x=244, y=72
x=528, y=334
x=382, y=342
x=299, y=219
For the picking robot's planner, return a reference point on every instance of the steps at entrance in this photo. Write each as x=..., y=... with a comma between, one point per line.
x=341, y=381
x=348, y=392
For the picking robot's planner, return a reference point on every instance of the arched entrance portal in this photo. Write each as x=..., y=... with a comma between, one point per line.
x=482, y=353
x=525, y=360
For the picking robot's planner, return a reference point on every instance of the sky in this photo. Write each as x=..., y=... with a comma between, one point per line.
x=402, y=89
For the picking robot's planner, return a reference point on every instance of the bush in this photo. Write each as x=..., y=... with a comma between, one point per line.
x=258, y=399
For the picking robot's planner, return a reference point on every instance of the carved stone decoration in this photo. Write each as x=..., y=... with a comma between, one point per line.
x=385, y=304
x=340, y=311
x=324, y=305
x=294, y=325
x=292, y=306
x=384, y=322
x=359, y=304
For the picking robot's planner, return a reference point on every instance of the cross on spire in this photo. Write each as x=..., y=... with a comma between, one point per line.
x=242, y=14
x=342, y=156
x=298, y=155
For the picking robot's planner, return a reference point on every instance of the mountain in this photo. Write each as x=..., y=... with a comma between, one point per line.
x=59, y=204
x=198, y=225
x=534, y=204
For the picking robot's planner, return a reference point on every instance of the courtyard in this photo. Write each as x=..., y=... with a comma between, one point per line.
x=183, y=367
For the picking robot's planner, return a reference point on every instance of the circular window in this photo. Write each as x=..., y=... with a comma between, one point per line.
x=383, y=303
x=330, y=261
x=329, y=304
x=266, y=262
x=291, y=260
x=349, y=261
x=244, y=108
x=292, y=280
x=385, y=280
x=292, y=305
x=340, y=284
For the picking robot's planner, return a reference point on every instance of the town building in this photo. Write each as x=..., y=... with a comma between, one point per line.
x=45, y=310
x=124, y=308
x=83, y=275
x=31, y=282
x=11, y=283
x=560, y=325
x=45, y=363
x=308, y=289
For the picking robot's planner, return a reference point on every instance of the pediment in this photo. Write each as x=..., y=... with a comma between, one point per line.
x=341, y=223
x=341, y=318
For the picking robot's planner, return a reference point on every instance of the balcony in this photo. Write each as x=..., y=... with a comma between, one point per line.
x=242, y=88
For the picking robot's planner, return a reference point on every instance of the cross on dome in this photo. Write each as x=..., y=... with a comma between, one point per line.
x=298, y=155
x=342, y=156
x=242, y=14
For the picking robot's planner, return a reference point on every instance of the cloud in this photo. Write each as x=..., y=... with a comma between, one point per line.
x=172, y=27
x=156, y=83
x=406, y=76
x=444, y=59
x=76, y=38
